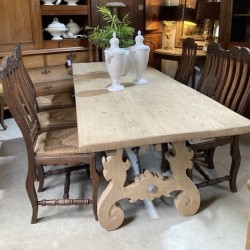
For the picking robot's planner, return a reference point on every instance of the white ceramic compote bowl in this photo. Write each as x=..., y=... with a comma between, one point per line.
x=56, y=29
x=139, y=58
x=71, y=2
x=115, y=59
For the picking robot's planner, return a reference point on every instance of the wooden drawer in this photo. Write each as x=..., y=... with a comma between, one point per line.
x=65, y=43
x=39, y=61
x=60, y=59
x=56, y=80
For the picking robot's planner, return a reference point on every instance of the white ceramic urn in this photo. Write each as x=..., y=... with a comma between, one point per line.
x=139, y=58
x=56, y=29
x=115, y=60
x=73, y=27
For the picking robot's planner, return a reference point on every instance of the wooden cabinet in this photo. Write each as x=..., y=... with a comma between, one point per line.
x=235, y=23
x=153, y=28
x=154, y=41
x=64, y=13
x=25, y=22
x=20, y=21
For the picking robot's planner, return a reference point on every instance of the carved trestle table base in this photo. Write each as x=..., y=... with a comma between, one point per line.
x=146, y=186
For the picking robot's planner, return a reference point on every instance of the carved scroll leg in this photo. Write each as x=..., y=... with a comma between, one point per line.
x=110, y=215
x=188, y=200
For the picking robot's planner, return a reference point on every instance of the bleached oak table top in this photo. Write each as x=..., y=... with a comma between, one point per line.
x=161, y=111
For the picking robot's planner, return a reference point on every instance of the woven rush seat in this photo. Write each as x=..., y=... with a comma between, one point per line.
x=57, y=142
x=55, y=101
x=57, y=119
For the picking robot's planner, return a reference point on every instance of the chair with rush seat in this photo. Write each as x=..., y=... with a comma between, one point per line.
x=53, y=119
x=47, y=102
x=53, y=148
x=50, y=119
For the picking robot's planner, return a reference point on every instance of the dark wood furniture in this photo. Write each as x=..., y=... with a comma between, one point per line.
x=234, y=23
x=49, y=119
x=186, y=65
x=32, y=17
x=175, y=55
x=44, y=58
x=46, y=102
x=50, y=148
x=226, y=79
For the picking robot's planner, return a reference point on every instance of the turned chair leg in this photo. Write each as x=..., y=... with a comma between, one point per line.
x=95, y=182
x=40, y=178
x=66, y=185
x=235, y=165
x=2, y=113
x=209, y=159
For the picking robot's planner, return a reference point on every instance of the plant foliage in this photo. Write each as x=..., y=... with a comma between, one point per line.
x=101, y=36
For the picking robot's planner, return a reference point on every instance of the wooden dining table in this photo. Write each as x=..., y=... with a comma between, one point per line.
x=163, y=110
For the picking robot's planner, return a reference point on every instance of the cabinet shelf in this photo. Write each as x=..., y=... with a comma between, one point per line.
x=241, y=15
x=64, y=10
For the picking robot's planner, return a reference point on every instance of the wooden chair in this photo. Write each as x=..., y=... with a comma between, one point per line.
x=186, y=65
x=54, y=148
x=213, y=72
x=50, y=119
x=47, y=102
x=225, y=79
x=232, y=90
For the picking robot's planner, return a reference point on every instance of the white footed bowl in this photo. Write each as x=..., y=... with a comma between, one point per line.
x=48, y=2
x=71, y=2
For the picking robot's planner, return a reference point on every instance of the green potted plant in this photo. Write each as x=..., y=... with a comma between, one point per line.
x=100, y=36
